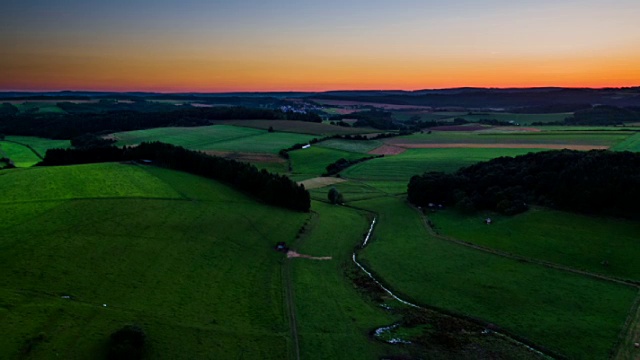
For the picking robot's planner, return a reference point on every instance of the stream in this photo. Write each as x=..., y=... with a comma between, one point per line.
x=384, y=329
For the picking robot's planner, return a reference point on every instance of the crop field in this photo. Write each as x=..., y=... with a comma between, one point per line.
x=577, y=139
x=300, y=127
x=607, y=246
x=359, y=146
x=313, y=161
x=632, y=143
x=398, y=169
x=544, y=305
x=216, y=138
x=81, y=259
x=522, y=119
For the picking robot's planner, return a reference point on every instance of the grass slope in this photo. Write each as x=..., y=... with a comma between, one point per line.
x=40, y=145
x=334, y=319
x=21, y=155
x=313, y=161
x=156, y=247
x=544, y=305
x=632, y=143
x=578, y=241
x=215, y=138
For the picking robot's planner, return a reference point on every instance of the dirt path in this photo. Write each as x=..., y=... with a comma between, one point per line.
x=293, y=254
x=290, y=305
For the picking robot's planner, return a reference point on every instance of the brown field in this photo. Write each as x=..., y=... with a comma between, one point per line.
x=247, y=157
x=388, y=150
x=300, y=127
x=504, y=146
x=320, y=182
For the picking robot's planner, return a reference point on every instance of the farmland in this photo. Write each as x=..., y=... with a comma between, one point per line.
x=126, y=263
x=393, y=172
x=500, y=290
x=216, y=137
x=89, y=248
x=595, y=244
x=27, y=151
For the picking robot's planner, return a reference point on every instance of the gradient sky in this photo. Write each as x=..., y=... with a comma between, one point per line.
x=268, y=45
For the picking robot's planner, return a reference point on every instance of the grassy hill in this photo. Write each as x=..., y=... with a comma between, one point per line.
x=144, y=245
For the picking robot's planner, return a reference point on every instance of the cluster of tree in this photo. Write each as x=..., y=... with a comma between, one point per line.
x=91, y=140
x=599, y=116
x=598, y=182
x=335, y=196
x=375, y=137
x=69, y=126
x=340, y=123
x=127, y=343
x=273, y=189
x=343, y=163
x=8, y=109
x=603, y=115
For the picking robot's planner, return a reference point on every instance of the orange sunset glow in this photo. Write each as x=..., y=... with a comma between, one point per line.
x=218, y=47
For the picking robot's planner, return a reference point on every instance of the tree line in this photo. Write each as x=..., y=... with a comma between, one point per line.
x=69, y=126
x=273, y=189
x=595, y=182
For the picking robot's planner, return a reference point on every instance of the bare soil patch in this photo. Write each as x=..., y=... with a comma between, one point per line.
x=293, y=254
x=320, y=182
x=505, y=146
x=247, y=157
x=387, y=150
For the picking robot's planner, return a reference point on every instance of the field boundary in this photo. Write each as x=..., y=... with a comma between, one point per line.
x=27, y=146
x=629, y=335
x=425, y=221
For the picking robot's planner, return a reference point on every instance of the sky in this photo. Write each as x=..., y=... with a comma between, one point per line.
x=303, y=45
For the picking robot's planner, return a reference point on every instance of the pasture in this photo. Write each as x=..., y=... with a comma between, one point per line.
x=514, y=138
x=312, y=162
x=359, y=146
x=215, y=138
x=300, y=127
x=21, y=155
x=632, y=143
x=144, y=245
x=544, y=305
x=601, y=245
x=396, y=170
x=26, y=151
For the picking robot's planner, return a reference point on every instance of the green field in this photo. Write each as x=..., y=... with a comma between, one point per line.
x=522, y=119
x=301, y=127
x=39, y=107
x=360, y=146
x=544, y=305
x=26, y=151
x=312, y=162
x=21, y=155
x=398, y=169
x=555, y=137
x=632, y=143
x=334, y=319
x=155, y=247
x=596, y=244
x=216, y=138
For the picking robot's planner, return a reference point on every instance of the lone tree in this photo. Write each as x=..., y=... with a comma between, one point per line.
x=335, y=196
x=127, y=343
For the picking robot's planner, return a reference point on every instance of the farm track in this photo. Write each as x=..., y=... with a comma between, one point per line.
x=630, y=335
x=290, y=301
